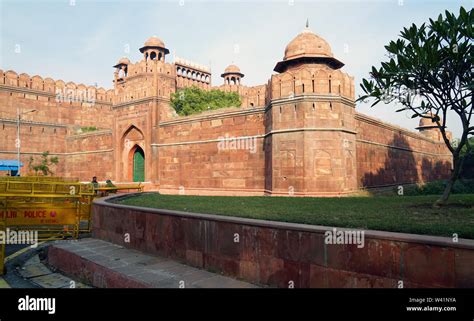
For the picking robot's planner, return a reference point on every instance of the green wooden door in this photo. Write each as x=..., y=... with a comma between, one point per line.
x=138, y=165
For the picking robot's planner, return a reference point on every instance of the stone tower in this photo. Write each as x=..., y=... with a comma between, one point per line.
x=232, y=75
x=141, y=100
x=310, y=143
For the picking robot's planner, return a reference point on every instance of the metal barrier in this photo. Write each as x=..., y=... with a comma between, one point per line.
x=46, y=189
x=104, y=190
x=2, y=247
x=39, y=178
x=56, y=209
x=85, y=213
x=51, y=218
x=51, y=207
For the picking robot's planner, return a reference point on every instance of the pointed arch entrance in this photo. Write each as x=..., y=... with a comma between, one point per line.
x=133, y=166
x=138, y=164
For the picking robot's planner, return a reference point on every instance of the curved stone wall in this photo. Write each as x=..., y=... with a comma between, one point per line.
x=284, y=254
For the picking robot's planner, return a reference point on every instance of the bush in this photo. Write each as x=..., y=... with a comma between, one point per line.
x=194, y=100
x=88, y=129
x=43, y=165
x=467, y=171
x=437, y=187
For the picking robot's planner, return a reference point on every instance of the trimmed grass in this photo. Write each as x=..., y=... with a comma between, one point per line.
x=408, y=214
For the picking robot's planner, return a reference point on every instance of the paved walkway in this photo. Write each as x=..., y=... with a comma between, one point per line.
x=155, y=271
x=38, y=273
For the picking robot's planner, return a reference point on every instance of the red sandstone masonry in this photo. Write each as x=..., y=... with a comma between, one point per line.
x=310, y=140
x=275, y=253
x=389, y=155
x=89, y=272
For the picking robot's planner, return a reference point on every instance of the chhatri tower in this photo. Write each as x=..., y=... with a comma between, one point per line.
x=309, y=139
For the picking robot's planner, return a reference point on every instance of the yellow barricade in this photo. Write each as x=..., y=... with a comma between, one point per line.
x=55, y=208
x=85, y=213
x=105, y=190
x=2, y=248
x=29, y=214
x=49, y=189
x=38, y=179
x=53, y=218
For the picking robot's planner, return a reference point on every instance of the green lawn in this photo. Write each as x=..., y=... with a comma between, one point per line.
x=410, y=214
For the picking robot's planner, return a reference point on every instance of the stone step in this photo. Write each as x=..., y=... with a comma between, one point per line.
x=107, y=265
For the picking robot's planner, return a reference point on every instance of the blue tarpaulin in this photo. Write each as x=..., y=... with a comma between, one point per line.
x=9, y=165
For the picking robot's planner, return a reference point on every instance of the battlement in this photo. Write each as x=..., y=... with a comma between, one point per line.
x=254, y=96
x=145, y=67
x=69, y=91
x=312, y=79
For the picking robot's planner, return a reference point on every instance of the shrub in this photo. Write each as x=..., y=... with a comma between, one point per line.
x=43, y=166
x=88, y=129
x=436, y=187
x=194, y=100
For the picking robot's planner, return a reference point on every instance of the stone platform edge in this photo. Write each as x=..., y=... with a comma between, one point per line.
x=89, y=272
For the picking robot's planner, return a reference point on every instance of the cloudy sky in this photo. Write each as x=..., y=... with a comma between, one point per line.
x=80, y=41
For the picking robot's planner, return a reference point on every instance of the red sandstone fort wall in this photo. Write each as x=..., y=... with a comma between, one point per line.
x=388, y=155
x=90, y=154
x=193, y=156
x=60, y=111
x=49, y=138
x=183, y=154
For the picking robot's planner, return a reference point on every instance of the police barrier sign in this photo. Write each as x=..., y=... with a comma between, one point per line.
x=39, y=216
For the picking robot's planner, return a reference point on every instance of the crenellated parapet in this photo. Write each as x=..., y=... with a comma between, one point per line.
x=312, y=79
x=63, y=92
x=255, y=96
x=142, y=68
x=143, y=79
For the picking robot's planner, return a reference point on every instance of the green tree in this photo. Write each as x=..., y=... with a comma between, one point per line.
x=467, y=171
x=194, y=100
x=464, y=151
x=43, y=166
x=429, y=72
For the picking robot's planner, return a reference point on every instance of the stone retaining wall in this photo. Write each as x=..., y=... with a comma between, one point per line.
x=284, y=254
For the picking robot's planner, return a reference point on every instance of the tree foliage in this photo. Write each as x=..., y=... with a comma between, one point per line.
x=88, y=129
x=467, y=170
x=429, y=72
x=194, y=100
x=43, y=165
